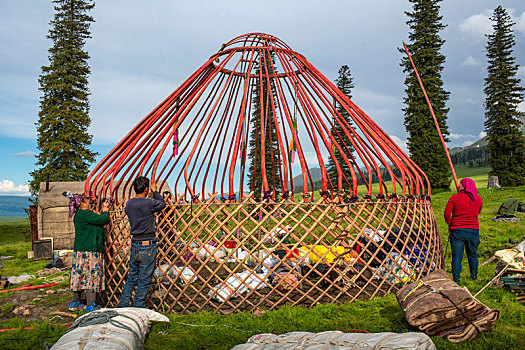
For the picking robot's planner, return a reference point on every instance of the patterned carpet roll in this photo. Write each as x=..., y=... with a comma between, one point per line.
x=438, y=306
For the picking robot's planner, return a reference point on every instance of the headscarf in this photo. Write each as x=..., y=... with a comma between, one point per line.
x=470, y=189
x=74, y=202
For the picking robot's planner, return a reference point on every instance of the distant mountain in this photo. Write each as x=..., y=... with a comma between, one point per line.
x=483, y=141
x=478, y=144
x=298, y=180
x=13, y=205
x=474, y=155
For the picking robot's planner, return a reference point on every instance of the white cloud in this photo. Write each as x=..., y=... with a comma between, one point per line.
x=364, y=95
x=21, y=126
x=521, y=71
x=476, y=26
x=312, y=160
x=521, y=106
x=400, y=142
x=470, y=61
x=454, y=136
x=8, y=187
x=121, y=100
x=520, y=23
x=467, y=143
x=25, y=154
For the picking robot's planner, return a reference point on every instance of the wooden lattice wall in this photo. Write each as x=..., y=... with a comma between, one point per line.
x=324, y=252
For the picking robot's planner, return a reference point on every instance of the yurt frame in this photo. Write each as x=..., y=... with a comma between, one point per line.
x=221, y=248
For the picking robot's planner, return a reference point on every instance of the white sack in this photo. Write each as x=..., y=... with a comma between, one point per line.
x=233, y=286
x=186, y=274
x=106, y=336
x=19, y=279
x=208, y=250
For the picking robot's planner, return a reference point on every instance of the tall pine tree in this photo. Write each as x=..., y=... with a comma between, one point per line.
x=263, y=113
x=506, y=144
x=63, y=119
x=425, y=44
x=344, y=82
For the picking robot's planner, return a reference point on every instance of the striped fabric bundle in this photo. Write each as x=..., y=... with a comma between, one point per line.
x=439, y=307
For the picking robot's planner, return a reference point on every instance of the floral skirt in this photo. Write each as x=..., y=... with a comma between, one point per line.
x=87, y=271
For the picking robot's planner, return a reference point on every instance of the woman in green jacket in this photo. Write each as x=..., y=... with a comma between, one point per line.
x=87, y=270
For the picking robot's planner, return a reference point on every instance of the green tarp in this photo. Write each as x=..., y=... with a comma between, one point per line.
x=510, y=206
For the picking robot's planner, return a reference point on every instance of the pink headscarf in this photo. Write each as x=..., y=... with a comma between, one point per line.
x=470, y=189
x=74, y=202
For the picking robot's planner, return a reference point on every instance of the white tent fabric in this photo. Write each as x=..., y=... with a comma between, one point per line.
x=336, y=340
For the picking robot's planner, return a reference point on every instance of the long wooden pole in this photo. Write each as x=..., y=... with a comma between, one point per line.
x=433, y=116
x=498, y=275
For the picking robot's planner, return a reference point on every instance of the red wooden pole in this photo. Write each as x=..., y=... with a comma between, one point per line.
x=433, y=116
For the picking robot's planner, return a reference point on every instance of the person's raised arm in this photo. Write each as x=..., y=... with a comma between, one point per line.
x=158, y=200
x=99, y=219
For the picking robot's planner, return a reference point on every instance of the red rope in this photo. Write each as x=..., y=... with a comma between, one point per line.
x=31, y=328
x=28, y=287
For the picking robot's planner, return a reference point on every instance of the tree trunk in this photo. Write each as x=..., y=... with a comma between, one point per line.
x=493, y=182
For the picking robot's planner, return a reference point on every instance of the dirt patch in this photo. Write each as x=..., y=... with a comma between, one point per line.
x=35, y=305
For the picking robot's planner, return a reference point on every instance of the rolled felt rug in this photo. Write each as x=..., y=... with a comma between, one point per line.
x=438, y=306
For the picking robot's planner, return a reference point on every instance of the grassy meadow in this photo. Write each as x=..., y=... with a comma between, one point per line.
x=217, y=331
x=214, y=331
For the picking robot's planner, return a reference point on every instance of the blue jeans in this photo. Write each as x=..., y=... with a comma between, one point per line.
x=142, y=264
x=464, y=239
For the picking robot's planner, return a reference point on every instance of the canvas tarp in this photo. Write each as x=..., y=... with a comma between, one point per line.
x=511, y=206
x=336, y=340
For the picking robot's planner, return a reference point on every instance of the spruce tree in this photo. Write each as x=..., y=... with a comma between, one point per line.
x=506, y=144
x=344, y=82
x=63, y=119
x=263, y=113
x=424, y=45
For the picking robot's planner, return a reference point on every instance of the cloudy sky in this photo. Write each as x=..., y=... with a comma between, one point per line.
x=141, y=51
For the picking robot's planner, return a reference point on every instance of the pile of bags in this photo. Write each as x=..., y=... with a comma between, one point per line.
x=336, y=340
x=236, y=285
x=439, y=307
x=168, y=274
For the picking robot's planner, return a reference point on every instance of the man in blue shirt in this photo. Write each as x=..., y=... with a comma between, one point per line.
x=143, y=256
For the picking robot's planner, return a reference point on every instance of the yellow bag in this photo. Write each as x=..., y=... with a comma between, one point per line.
x=315, y=253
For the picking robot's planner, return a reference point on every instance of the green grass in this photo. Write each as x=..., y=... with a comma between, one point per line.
x=43, y=332
x=14, y=220
x=216, y=331
x=463, y=171
x=13, y=243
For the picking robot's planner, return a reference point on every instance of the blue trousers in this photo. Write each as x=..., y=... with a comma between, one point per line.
x=464, y=239
x=142, y=262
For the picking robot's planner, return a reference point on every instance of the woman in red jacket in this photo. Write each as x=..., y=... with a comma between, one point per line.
x=461, y=215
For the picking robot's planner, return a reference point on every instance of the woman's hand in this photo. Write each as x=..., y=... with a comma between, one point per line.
x=105, y=206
